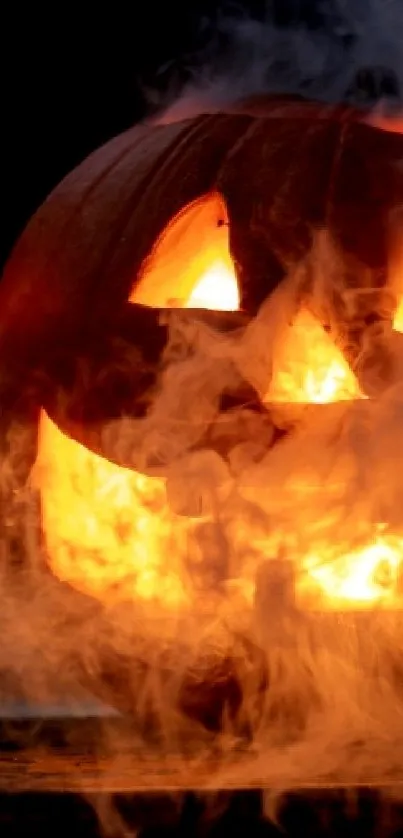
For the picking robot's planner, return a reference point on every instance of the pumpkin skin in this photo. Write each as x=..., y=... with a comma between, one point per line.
x=284, y=169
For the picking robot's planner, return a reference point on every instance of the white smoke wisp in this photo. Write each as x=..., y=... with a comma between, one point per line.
x=254, y=678
x=332, y=51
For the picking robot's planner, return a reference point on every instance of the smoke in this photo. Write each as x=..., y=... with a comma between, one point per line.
x=248, y=677
x=235, y=672
x=332, y=51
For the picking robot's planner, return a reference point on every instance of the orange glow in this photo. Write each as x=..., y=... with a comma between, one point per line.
x=104, y=526
x=398, y=318
x=110, y=531
x=392, y=124
x=217, y=289
x=192, y=253
x=309, y=368
x=367, y=576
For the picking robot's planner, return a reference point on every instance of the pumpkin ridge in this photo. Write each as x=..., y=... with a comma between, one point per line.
x=239, y=142
x=70, y=220
x=148, y=182
x=294, y=167
x=345, y=128
x=158, y=171
x=85, y=195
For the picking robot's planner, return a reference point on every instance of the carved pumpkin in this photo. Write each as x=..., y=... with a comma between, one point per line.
x=212, y=212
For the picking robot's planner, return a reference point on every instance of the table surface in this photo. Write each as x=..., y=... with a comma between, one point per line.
x=34, y=758
x=89, y=747
x=38, y=770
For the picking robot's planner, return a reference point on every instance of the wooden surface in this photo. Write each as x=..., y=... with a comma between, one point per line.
x=41, y=762
x=41, y=771
x=100, y=752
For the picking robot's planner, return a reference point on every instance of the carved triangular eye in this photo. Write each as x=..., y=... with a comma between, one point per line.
x=190, y=264
x=309, y=368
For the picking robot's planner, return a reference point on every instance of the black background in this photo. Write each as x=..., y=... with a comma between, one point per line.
x=69, y=84
x=71, y=80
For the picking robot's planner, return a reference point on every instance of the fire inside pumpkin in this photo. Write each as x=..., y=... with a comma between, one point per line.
x=111, y=533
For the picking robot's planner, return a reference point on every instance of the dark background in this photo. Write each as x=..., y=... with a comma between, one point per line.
x=70, y=82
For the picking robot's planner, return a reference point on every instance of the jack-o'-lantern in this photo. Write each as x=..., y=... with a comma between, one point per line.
x=194, y=468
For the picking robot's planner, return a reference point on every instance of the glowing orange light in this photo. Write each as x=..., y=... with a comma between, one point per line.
x=309, y=368
x=217, y=289
x=108, y=530
x=362, y=577
x=398, y=318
